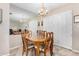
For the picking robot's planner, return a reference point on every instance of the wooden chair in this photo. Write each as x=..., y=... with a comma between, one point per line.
x=46, y=44
x=51, y=44
x=42, y=34
x=26, y=44
x=52, y=41
x=23, y=41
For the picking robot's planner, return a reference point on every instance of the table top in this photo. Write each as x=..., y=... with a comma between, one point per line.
x=35, y=39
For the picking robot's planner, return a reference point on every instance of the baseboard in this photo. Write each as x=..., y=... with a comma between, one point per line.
x=64, y=46
x=75, y=51
x=15, y=47
x=6, y=54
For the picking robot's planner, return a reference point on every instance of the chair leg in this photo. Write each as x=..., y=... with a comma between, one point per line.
x=27, y=52
x=22, y=52
x=35, y=51
x=44, y=52
x=51, y=50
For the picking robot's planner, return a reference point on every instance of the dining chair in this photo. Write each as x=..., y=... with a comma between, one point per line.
x=42, y=34
x=52, y=43
x=46, y=44
x=23, y=42
x=27, y=45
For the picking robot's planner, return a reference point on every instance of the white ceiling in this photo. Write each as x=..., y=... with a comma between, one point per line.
x=34, y=7
x=28, y=10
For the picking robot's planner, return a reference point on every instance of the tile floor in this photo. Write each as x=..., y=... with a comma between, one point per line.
x=58, y=51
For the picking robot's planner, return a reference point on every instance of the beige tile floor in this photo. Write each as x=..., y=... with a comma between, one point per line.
x=58, y=51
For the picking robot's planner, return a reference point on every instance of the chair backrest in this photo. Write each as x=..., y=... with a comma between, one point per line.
x=23, y=35
x=51, y=34
x=43, y=34
x=24, y=39
x=30, y=34
x=48, y=40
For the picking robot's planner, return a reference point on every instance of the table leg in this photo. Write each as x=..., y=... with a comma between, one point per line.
x=37, y=49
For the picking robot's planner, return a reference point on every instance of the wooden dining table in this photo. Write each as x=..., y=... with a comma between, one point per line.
x=36, y=41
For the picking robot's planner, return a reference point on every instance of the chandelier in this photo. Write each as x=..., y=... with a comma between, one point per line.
x=43, y=11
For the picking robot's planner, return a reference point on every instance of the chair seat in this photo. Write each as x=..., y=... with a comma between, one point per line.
x=41, y=47
x=42, y=50
x=32, y=46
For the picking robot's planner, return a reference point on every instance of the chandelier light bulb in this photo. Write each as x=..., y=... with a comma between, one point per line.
x=43, y=12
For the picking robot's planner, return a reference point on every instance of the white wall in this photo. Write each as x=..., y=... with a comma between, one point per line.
x=61, y=25
x=15, y=41
x=4, y=30
x=75, y=36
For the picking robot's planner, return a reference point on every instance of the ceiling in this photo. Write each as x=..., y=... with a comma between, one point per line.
x=29, y=10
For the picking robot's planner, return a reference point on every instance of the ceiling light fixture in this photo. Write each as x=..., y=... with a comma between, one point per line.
x=42, y=13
